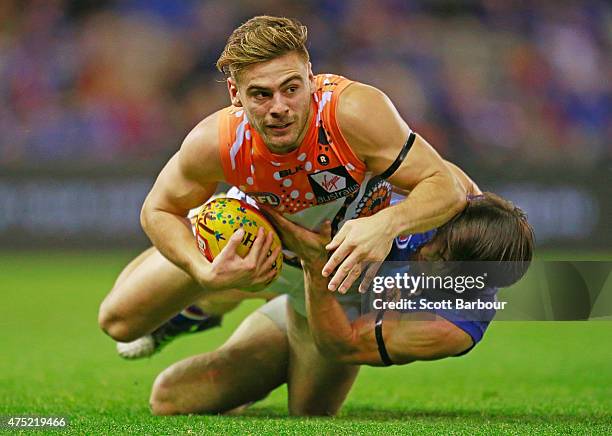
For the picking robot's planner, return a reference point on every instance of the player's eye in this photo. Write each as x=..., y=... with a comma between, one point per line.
x=260, y=95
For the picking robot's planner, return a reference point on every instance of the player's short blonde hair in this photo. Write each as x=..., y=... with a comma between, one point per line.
x=261, y=39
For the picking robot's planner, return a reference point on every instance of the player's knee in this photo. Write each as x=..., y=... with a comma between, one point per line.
x=162, y=399
x=162, y=408
x=169, y=398
x=113, y=325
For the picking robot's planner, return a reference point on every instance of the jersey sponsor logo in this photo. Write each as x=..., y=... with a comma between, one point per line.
x=332, y=184
x=329, y=181
x=266, y=198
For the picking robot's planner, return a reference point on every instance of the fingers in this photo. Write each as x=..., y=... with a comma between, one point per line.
x=266, y=247
x=269, y=276
x=233, y=243
x=350, y=279
x=338, y=239
x=334, y=260
x=369, y=275
x=285, y=228
x=270, y=212
x=257, y=246
x=343, y=271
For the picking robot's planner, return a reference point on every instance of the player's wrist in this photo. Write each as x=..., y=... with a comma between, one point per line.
x=313, y=273
x=391, y=223
x=314, y=265
x=202, y=272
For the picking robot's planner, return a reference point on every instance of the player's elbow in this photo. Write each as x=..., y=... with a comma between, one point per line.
x=455, y=194
x=341, y=351
x=145, y=216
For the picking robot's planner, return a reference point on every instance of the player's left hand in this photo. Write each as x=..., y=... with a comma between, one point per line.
x=359, y=240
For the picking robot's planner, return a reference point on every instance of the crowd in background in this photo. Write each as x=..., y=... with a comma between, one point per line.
x=498, y=81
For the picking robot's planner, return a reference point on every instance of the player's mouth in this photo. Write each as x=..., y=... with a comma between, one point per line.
x=280, y=128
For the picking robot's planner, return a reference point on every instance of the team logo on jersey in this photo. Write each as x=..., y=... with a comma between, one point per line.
x=402, y=242
x=332, y=184
x=265, y=198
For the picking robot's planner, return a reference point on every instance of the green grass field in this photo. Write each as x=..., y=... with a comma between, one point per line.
x=524, y=378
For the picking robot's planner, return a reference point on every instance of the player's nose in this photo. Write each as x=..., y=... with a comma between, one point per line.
x=279, y=106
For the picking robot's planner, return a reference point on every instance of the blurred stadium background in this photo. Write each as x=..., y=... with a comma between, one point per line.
x=96, y=95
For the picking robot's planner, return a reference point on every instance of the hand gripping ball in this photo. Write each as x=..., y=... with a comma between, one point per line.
x=217, y=221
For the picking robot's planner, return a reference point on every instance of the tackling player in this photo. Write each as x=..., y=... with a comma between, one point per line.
x=318, y=355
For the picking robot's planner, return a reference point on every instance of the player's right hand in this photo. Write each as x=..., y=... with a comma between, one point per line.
x=230, y=271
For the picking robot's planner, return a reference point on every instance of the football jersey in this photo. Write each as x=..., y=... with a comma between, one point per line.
x=321, y=179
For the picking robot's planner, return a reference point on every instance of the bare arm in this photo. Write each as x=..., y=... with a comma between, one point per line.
x=141, y=303
x=377, y=133
x=408, y=337
x=189, y=179
x=436, y=194
x=472, y=187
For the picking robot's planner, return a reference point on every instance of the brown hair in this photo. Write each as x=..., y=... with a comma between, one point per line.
x=261, y=39
x=490, y=228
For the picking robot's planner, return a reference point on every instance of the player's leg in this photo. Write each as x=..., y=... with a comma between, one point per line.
x=203, y=315
x=245, y=369
x=133, y=313
x=213, y=304
x=148, y=292
x=316, y=385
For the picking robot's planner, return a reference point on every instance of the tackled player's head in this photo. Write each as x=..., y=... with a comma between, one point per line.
x=489, y=229
x=270, y=76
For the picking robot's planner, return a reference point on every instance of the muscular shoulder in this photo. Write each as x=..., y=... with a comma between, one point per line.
x=199, y=154
x=370, y=123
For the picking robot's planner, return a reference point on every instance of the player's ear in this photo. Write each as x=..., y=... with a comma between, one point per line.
x=311, y=79
x=232, y=88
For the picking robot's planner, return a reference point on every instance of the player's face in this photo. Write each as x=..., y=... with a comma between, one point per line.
x=276, y=96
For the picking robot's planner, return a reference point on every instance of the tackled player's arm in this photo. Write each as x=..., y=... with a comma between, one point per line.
x=407, y=336
x=376, y=132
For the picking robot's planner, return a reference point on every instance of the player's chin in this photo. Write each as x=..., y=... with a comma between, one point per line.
x=281, y=144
